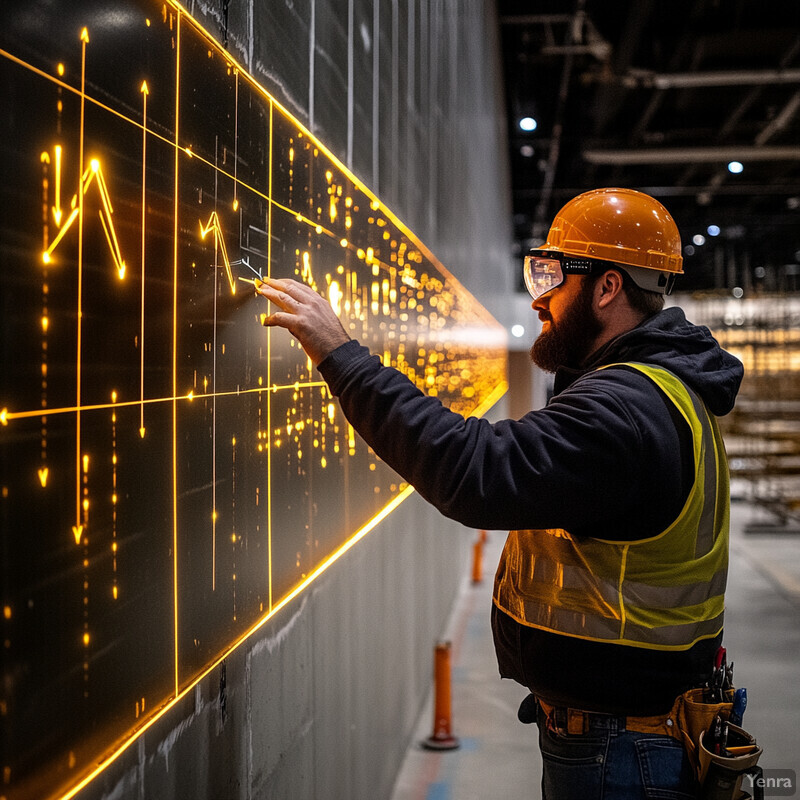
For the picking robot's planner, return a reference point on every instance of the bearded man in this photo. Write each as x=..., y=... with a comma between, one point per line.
x=608, y=599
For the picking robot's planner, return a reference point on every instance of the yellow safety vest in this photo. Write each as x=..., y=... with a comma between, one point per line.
x=663, y=593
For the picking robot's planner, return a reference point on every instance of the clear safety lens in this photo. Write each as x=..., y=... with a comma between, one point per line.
x=542, y=275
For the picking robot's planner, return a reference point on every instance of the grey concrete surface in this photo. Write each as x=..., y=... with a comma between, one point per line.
x=499, y=757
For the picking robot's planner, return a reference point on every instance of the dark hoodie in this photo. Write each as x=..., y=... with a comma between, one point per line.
x=609, y=457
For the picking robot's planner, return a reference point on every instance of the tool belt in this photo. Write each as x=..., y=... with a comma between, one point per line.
x=573, y=721
x=689, y=721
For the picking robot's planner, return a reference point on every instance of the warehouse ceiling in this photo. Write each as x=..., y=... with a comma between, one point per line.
x=661, y=96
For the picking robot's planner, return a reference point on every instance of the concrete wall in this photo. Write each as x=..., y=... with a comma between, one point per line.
x=322, y=701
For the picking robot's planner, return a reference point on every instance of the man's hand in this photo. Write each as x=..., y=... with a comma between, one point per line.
x=306, y=315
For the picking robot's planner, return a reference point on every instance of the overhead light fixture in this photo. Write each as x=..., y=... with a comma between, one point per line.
x=699, y=239
x=735, y=167
x=713, y=230
x=518, y=331
x=528, y=124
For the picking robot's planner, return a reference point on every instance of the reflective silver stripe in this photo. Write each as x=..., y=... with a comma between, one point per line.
x=565, y=621
x=645, y=595
x=705, y=528
x=609, y=628
x=675, y=635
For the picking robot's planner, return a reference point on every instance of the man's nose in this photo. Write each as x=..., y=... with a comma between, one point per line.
x=541, y=303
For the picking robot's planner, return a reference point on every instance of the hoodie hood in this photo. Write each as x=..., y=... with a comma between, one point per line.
x=669, y=340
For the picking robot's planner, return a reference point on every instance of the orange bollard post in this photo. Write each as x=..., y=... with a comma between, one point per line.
x=442, y=737
x=477, y=558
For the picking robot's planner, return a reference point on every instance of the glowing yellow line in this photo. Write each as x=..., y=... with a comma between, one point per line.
x=269, y=372
x=108, y=224
x=175, y=355
x=111, y=238
x=6, y=416
x=57, y=206
x=145, y=91
x=301, y=587
x=70, y=219
x=77, y=527
x=236, y=140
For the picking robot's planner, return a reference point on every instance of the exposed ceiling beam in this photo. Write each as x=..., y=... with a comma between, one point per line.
x=534, y=19
x=688, y=80
x=729, y=190
x=688, y=154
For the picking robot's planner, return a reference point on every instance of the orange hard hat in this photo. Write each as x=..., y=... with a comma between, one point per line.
x=627, y=227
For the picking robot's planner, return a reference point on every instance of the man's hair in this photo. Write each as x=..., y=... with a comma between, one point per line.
x=645, y=302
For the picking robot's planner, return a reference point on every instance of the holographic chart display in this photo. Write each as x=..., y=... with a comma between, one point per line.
x=171, y=471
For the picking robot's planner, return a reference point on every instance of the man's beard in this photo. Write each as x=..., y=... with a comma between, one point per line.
x=567, y=344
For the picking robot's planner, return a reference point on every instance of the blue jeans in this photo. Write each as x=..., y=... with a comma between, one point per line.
x=610, y=763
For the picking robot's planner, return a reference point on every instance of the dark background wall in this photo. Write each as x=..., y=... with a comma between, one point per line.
x=322, y=702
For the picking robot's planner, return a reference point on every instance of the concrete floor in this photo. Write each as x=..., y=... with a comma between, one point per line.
x=499, y=757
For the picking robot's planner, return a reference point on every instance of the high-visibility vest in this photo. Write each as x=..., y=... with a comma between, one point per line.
x=665, y=592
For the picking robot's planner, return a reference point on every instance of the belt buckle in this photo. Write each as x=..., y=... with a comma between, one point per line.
x=568, y=722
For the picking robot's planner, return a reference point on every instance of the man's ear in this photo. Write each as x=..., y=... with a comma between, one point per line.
x=608, y=288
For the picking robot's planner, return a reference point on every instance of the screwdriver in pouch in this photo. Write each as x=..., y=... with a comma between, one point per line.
x=739, y=705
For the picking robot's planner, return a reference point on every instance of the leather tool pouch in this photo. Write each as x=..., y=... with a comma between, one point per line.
x=720, y=777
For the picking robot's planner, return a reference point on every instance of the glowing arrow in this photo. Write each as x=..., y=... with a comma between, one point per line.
x=219, y=242
x=77, y=532
x=57, y=206
x=145, y=91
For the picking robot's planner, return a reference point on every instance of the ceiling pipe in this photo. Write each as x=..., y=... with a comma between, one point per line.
x=688, y=154
x=541, y=217
x=689, y=80
x=772, y=129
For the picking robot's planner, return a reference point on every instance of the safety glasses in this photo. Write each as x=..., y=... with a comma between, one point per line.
x=547, y=269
